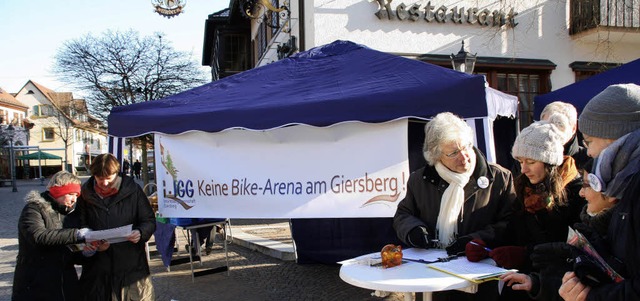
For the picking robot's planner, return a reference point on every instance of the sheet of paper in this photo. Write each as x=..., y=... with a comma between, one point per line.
x=424, y=254
x=473, y=271
x=113, y=235
x=367, y=259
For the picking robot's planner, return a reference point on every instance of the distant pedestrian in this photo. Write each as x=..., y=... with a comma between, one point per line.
x=125, y=167
x=48, y=222
x=137, y=166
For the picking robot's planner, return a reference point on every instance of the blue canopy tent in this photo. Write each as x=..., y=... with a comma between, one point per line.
x=338, y=82
x=579, y=94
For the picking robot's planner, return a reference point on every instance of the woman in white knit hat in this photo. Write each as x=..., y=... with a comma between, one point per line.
x=548, y=202
x=610, y=123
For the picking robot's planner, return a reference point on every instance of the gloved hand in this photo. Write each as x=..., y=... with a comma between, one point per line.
x=596, y=240
x=509, y=257
x=88, y=253
x=458, y=245
x=419, y=237
x=476, y=250
x=558, y=255
x=590, y=272
x=81, y=233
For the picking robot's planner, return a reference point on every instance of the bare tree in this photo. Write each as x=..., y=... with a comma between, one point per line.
x=63, y=128
x=122, y=68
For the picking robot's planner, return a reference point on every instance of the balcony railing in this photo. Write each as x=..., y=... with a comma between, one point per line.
x=589, y=14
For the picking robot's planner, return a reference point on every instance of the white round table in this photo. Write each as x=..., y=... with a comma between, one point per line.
x=408, y=277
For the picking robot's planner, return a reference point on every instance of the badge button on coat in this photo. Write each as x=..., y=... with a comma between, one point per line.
x=483, y=182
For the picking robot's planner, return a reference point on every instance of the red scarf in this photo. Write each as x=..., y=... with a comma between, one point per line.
x=58, y=191
x=536, y=197
x=109, y=191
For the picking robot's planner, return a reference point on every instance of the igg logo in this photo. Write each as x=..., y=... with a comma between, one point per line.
x=183, y=188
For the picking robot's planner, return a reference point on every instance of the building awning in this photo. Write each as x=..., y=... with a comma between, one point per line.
x=39, y=155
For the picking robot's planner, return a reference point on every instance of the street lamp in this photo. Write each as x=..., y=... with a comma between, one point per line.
x=11, y=132
x=463, y=61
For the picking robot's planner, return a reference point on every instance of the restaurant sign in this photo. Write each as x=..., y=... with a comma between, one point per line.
x=443, y=14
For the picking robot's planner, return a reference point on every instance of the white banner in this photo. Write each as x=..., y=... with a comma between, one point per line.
x=346, y=170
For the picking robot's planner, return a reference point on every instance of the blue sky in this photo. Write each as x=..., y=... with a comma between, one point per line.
x=32, y=31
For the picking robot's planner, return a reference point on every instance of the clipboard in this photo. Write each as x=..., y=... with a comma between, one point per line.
x=476, y=272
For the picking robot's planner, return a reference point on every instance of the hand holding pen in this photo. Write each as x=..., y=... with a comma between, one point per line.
x=476, y=250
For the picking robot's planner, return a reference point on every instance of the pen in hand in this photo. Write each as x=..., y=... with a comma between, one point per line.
x=476, y=244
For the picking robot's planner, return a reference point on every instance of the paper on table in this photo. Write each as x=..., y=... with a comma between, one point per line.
x=476, y=272
x=368, y=259
x=113, y=235
x=412, y=253
x=424, y=254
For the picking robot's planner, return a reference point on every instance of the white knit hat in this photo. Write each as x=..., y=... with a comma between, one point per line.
x=542, y=141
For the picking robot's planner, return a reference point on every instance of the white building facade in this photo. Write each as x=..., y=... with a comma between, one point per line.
x=63, y=127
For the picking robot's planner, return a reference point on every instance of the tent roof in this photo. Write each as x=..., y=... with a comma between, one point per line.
x=578, y=94
x=338, y=82
x=39, y=154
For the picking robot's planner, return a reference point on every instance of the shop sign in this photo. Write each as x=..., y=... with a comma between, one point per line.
x=444, y=14
x=169, y=8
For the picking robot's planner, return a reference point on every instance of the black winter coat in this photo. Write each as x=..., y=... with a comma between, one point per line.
x=529, y=229
x=486, y=211
x=44, y=266
x=122, y=263
x=623, y=240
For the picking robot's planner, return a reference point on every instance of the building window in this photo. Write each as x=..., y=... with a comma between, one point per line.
x=16, y=119
x=521, y=77
x=42, y=110
x=275, y=19
x=523, y=83
x=584, y=70
x=526, y=87
x=261, y=41
x=48, y=134
x=235, y=53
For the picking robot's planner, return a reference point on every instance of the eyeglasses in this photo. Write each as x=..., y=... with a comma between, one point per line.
x=458, y=151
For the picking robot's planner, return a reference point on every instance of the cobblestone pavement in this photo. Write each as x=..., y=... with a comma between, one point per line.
x=252, y=275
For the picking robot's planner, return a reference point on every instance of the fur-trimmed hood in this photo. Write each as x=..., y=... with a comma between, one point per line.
x=47, y=203
x=36, y=197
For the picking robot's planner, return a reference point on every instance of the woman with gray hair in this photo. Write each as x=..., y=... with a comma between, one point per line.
x=44, y=266
x=456, y=198
x=572, y=141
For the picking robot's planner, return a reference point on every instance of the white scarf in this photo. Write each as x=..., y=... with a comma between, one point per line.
x=452, y=201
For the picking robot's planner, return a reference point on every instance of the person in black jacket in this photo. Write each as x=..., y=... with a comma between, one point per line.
x=548, y=200
x=610, y=123
x=111, y=200
x=137, y=167
x=457, y=197
x=45, y=266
